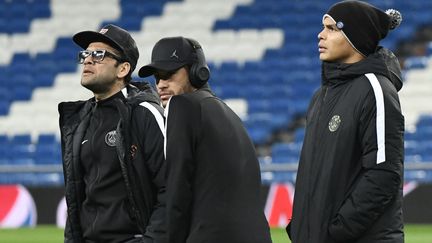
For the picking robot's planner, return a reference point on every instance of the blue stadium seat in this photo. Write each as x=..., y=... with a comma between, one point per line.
x=47, y=154
x=43, y=79
x=16, y=16
x=21, y=79
x=22, y=139
x=48, y=179
x=259, y=134
x=40, y=9
x=429, y=49
x=286, y=152
x=47, y=139
x=427, y=156
x=22, y=93
x=415, y=62
x=4, y=158
x=424, y=121
x=283, y=177
x=424, y=134
x=229, y=91
x=17, y=178
x=4, y=107
x=4, y=140
x=66, y=49
x=412, y=158
x=259, y=105
x=299, y=135
x=20, y=154
x=5, y=94
x=410, y=136
x=133, y=11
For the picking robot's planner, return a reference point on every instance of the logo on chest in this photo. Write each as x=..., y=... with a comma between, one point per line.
x=334, y=123
x=110, y=138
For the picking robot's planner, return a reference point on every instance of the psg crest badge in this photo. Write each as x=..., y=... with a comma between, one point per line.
x=110, y=138
x=334, y=123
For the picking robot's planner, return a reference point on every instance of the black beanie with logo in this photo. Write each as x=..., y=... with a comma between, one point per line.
x=363, y=24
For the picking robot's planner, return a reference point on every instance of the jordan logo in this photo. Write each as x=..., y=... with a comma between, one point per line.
x=174, y=54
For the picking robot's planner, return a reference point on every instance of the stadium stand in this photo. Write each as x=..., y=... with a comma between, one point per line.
x=262, y=54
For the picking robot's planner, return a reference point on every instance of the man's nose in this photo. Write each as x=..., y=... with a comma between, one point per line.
x=162, y=83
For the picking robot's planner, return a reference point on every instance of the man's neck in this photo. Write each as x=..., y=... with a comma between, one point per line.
x=114, y=90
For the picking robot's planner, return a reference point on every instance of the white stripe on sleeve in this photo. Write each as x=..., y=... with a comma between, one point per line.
x=156, y=114
x=166, y=111
x=380, y=117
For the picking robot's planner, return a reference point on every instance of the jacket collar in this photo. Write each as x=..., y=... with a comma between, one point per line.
x=383, y=62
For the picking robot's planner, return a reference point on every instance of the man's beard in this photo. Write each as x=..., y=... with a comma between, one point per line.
x=98, y=87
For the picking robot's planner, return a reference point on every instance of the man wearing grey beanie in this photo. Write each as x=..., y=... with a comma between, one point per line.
x=350, y=175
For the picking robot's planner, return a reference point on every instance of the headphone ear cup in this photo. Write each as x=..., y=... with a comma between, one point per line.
x=199, y=75
x=199, y=72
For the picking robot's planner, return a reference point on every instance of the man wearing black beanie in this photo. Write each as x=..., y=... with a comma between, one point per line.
x=350, y=175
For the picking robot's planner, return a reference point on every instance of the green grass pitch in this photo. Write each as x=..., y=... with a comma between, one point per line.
x=414, y=233
x=51, y=234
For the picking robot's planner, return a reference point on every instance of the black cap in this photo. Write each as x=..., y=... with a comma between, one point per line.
x=363, y=24
x=114, y=36
x=169, y=54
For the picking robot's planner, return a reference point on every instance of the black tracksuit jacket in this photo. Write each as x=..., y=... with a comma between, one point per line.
x=213, y=192
x=350, y=175
x=117, y=200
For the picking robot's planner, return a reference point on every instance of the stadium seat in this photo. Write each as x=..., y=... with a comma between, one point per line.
x=4, y=107
x=429, y=49
x=283, y=177
x=416, y=62
x=47, y=154
x=299, y=135
x=47, y=139
x=48, y=179
x=286, y=152
x=22, y=139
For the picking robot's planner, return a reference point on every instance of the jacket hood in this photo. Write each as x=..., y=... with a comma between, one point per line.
x=142, y=91
x=382, y=62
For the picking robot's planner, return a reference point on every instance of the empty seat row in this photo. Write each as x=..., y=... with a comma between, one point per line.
x=32, y=179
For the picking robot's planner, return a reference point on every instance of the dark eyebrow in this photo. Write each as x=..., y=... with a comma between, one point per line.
x=331, y=26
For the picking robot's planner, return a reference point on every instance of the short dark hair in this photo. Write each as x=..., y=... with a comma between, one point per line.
x=128, y=77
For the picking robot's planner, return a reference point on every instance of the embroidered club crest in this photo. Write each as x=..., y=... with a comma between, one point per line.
x=334, y=123
x=110, y=138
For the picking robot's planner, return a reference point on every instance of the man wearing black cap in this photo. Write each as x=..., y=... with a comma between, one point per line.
x=350, y=175
x=112, y=146
x=213, y=187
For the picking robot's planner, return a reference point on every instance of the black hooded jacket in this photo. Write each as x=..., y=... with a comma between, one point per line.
x=213, y=188
x=350, y=175
x=134, y=188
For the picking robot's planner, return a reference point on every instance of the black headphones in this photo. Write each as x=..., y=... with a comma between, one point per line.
x=199, y=72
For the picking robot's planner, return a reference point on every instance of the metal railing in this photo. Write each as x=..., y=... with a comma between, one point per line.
x=58, y=168
x=293, y=166
x=264, y=167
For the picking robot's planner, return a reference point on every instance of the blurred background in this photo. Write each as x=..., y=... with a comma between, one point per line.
x=263, y=56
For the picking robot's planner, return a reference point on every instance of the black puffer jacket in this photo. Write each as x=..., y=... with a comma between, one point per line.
x=140, y=152
x=350, y=176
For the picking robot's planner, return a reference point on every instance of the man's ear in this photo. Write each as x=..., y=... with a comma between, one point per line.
x=123, y=69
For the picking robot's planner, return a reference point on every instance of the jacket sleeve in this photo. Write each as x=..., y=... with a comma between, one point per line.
x=180, y=140
x=153, y=134
x=380, y=130
x=67, y=233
